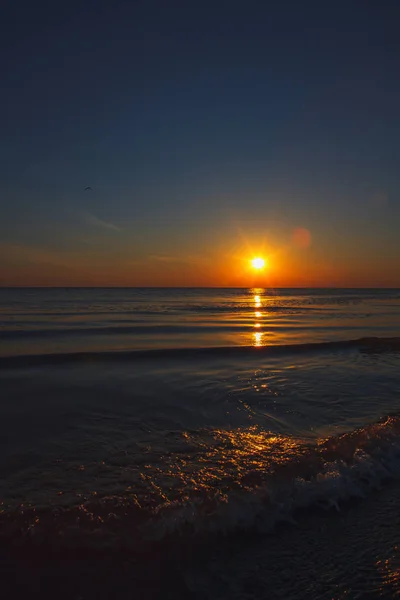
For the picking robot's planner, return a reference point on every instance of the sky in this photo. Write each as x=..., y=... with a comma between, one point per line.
x=209, y=133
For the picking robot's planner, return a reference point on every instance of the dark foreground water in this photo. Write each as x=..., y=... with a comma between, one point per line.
x=200, y=443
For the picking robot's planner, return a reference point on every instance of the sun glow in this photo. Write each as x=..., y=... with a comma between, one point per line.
x=258, y=263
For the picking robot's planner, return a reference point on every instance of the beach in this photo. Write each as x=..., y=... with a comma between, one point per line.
x=200, y=443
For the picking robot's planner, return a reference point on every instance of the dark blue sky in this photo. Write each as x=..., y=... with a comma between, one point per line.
x=192, y=121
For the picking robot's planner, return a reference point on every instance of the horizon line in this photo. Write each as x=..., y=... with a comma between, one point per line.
x=194, y=287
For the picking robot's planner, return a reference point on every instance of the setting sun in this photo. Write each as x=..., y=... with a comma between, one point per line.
x=258, y=263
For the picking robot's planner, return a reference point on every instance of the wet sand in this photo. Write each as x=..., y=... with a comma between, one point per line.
x=352, y=553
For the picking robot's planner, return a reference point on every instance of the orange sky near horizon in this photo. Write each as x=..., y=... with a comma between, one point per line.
x=297, y=259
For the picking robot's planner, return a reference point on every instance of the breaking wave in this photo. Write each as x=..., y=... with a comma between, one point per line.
x=289, y=476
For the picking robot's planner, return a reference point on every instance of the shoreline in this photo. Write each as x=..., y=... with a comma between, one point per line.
x=350, y=553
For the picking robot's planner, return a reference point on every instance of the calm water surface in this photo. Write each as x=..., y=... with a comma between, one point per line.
x=67, y=320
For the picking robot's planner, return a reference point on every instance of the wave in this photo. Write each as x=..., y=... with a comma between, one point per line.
x=370, y=344
x=323, y=475
x=184, y=328
x=165, y=309
x=293, y=308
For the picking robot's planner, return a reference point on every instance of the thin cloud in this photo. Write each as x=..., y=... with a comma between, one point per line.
x=93, y=220
x=183, y=260
x=168, y=259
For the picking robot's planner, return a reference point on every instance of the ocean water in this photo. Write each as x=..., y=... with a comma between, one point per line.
x=200, y=443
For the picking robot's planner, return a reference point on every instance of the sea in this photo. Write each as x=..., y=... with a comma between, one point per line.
x=200, y=443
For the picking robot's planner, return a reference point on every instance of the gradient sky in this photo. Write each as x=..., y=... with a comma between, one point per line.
x=209, y=132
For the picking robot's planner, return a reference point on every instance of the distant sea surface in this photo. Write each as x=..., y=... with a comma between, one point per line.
x=239, y=443
x=41, y=321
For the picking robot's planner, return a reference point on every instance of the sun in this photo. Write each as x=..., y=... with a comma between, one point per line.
x=258, y=263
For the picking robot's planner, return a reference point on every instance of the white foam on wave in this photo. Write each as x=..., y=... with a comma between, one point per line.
x=365, y=460
x=322, y=476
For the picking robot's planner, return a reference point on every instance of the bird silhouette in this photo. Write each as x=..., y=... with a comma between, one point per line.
x=88, y=188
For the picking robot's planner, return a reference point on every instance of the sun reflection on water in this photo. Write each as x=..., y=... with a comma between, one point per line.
x=217, y=460
x=390, y=572
x=258, y=339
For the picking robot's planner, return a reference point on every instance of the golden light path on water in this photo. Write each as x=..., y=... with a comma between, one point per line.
x=220, y=457
x=258, y=336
